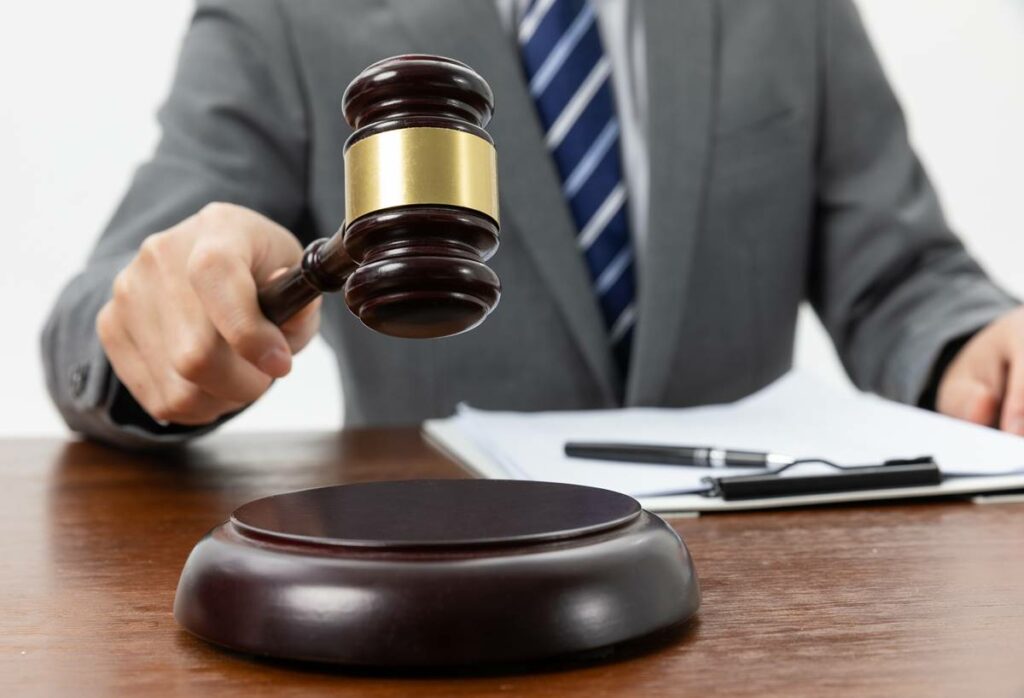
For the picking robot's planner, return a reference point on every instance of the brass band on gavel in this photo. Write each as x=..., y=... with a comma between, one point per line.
x=421, y=165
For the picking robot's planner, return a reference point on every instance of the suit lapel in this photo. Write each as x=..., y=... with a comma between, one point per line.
x=531, y=191
x=681, y=65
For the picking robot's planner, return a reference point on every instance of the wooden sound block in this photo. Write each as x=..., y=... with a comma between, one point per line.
x=436, y=573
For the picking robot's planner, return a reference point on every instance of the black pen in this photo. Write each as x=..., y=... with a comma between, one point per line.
x=687, y=456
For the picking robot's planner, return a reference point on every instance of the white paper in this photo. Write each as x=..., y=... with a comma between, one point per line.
x=797, y=416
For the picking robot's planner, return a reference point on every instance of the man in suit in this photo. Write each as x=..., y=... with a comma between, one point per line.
x=676, y=177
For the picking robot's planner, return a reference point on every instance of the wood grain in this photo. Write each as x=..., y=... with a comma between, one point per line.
x=920, y=599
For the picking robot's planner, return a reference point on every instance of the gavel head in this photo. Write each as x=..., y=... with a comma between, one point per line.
x=421, y=197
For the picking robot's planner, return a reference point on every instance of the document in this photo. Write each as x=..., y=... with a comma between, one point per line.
x=798, y=415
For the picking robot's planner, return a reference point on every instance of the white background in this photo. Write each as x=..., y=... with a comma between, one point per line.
x=81, y=82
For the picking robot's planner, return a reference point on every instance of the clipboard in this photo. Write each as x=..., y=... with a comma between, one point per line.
x=447, y=438
x=798, y=414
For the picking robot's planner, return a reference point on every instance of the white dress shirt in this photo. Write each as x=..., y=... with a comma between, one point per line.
x=621, y=25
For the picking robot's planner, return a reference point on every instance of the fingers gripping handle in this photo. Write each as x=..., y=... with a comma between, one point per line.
x=286, y=295
x=324, y=268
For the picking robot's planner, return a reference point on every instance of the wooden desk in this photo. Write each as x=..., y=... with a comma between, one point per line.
x=922, y=599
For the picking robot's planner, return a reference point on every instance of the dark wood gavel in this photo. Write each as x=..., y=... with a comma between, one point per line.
x=421, y=205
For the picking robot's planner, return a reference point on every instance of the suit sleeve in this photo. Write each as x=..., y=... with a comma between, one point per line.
x=890, y=281
x=232, y=129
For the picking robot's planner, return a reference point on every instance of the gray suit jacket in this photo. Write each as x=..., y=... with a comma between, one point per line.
x=780, y=171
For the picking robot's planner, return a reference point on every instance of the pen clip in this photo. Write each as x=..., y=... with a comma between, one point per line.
x=908, y=472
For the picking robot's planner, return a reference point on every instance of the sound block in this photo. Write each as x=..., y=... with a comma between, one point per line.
x=436, y=573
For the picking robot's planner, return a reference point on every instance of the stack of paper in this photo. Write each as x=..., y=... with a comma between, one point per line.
x=797, y=415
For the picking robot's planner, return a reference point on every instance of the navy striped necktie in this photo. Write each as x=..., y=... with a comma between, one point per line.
x=570, y=81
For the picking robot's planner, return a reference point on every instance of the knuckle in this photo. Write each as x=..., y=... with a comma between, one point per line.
x=153, y=247
x=182, y=400
x=206, y=261
x=159, y=411
x=105, y=322
x=218, y=213
x=240, y=330
x=193, y=358
x=122, y=287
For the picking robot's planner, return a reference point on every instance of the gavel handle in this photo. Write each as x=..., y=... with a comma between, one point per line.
x=324, y=268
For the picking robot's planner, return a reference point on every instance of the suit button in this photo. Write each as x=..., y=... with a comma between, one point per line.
x=79, y=379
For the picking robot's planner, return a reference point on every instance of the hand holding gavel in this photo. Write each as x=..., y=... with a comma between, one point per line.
x=210, y=311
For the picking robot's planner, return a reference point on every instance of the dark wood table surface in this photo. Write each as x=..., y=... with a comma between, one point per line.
x=907, y=599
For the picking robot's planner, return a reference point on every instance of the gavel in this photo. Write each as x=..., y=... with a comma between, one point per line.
x=421, y=205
